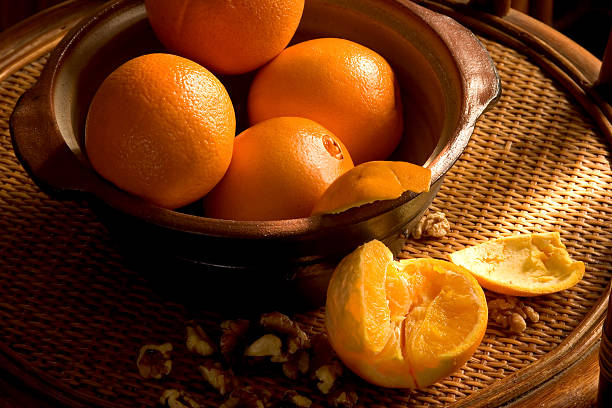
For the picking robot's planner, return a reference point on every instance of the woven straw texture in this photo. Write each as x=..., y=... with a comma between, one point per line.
x=74, y=313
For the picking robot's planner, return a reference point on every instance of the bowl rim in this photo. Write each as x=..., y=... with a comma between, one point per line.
x=473, y=63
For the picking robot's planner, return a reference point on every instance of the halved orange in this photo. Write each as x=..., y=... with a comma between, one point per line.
x=372, y=181
x=403, y=324
x=522, y=265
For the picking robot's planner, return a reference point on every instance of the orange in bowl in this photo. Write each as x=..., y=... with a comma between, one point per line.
x=403, y=324
x=372, y=181
x=280, y=168
x=344, y=86
x=161, y=127
x=226, y=36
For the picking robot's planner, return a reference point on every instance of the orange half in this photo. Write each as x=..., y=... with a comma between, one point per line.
x=403, y=324
x=372, y=181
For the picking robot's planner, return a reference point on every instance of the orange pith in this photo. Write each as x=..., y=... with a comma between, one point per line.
x=403, y=323
x=161, y=127
x=344, y=86
x=279, y=169
x=372, y=181
x=226, y=36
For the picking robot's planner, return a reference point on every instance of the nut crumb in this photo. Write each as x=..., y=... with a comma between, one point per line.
x=266, y=345
x=222, y=380
x=327, y=375
x=248, y=397
x=432, y=224
x=199, y=342
x=279, y=323
x=297, y=364
x=343, y=399
x=233, y=337
x=292, y=399
x=510, y=313
x=172, y=398
x=154, y=360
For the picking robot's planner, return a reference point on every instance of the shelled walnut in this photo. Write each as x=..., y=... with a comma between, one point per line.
x=177, y=399
x=268, y=345
x=154, y=360
x=248, y=397
x=279, y=323
x=233, y=338
x=296, y=365
x=511, y=313
x=343, y=399
x=432, y=224
x=291, y=399
x=199, y=342
x=325, y=367
x=221, y=379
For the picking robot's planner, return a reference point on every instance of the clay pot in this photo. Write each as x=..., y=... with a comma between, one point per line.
x=447, y=80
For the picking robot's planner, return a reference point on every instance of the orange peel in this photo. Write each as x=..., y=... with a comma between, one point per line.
x=403, y=324
x=372, y=181
x=522, y=265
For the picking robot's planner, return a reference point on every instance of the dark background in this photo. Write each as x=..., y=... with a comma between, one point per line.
x=587, y=22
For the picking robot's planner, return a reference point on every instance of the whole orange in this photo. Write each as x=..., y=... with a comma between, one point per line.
x=226, y=36
x=161, y=127
x=344, y=86
x=279, y=169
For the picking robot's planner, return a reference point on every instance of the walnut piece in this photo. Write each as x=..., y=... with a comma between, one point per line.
x=177, y=399
x=512, y=314
x=222, y=380
x=432, y=224
x=154, y=360
x=266, y=345
x=199, y=342
x=298, y=363
x=248, y=397
x=233, y=337
x=327, y=375
x=343, y=399
x=279, y=323
x=292, y=399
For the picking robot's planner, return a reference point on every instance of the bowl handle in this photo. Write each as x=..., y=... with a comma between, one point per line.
x=41, y=149
x=482, y=86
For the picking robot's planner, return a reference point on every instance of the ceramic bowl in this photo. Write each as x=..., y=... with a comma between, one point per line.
x=447, y=80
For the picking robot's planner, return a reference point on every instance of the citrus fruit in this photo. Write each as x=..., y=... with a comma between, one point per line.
x=403, y=324
x=344, y=86
x=372, y=181
x=522, y=264
x=226, y=36
x=161, y=127
x=279, y=169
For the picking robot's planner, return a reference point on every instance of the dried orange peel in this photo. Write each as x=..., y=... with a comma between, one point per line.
x=522, y=265
x=403, y=324
x=372, y=181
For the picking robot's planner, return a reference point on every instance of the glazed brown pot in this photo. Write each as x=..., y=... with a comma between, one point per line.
x=447, y=80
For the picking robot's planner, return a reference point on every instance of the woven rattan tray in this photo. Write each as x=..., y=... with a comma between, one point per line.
x=73, y=314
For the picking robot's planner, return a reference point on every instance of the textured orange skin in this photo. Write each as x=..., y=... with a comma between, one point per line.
x=344, y=86
x=372, y=181
x=280, y=168
x=225, y=36
x=161, y=127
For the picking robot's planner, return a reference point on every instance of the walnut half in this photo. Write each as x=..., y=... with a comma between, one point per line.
x=154, y=360
x=177, y=399
x=510, y=313
x=199, y=342
x=433, y=224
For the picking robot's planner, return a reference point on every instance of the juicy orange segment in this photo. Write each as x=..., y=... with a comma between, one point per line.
x=403, y=324
x=522, y=265
x=372, y=181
